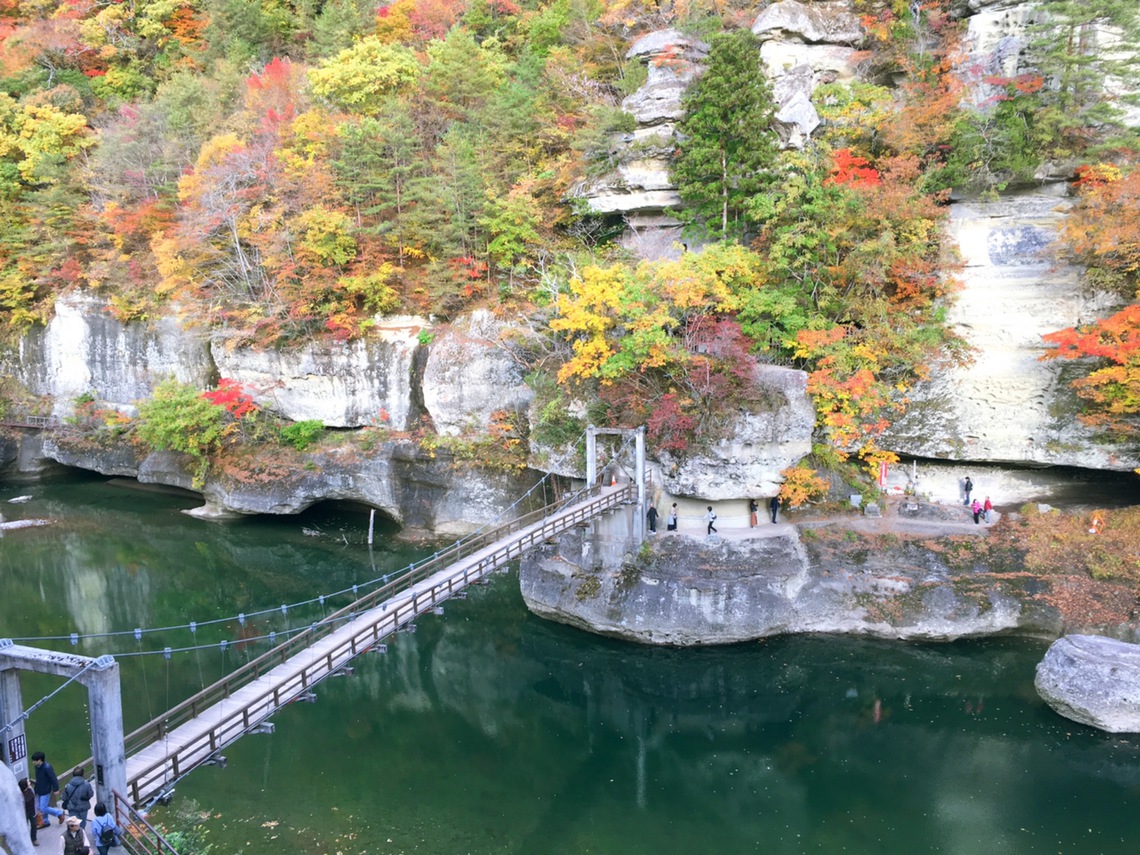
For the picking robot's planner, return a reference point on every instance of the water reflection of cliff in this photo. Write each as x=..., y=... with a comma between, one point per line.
x=114, y=559
x=490, y=730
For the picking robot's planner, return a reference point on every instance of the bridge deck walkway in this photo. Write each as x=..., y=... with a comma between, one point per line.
x=156, y=767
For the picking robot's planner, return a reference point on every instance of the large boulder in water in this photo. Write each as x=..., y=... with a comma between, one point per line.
x=1093, y=680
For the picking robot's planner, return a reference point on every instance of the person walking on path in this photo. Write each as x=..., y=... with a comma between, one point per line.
x=29, y=794
x=47, y=785
x=752, y=509
x=988, y=509
x=976, y=507
x=968, y=487
x=710, y=518
x=104, y=831
x=77, y=796
x=774, y=507
x=672, y=524
x=74, y=839
x=651, y=515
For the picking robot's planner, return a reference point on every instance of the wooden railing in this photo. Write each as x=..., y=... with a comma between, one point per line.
x=179, y=759
x=139, y=837
x=25, y=421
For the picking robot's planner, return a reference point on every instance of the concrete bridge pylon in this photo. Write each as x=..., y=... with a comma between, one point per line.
x=638, y=435
x=104, y=704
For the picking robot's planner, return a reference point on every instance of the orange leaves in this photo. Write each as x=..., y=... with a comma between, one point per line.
x=1113, y=391
x=1090, y=176
x=800, y=486
x=813, y=343
x=850, y=168
x=1103, y=229
x=1116, y=338
x=849, y=396
x=1022, y=84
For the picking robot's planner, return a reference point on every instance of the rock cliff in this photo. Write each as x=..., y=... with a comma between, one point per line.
x=1007, y=405
x=684, y=590
x=458, y=378
x=425, y=493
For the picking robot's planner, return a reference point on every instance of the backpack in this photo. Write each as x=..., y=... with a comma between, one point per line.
x=107, y=836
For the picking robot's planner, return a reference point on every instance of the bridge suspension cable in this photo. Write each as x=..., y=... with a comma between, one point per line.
x=27, y=712
x=138, y=632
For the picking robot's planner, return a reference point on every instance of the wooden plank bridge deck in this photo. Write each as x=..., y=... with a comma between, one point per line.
x=192, y=733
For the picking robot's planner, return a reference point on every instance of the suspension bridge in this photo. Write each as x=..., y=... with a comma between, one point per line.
x=143, y=766
x=195, y=731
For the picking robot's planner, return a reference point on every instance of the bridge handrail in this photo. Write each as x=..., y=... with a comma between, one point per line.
x=157, y=728
x=22, y=420
x=139, y=837
x=364, y=638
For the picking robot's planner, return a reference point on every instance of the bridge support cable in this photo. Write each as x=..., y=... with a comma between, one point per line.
x=193, y=626
x=195, y=731
x=104, y=703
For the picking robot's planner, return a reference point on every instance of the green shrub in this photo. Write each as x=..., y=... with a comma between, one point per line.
x=178, y=418
x=301, y=435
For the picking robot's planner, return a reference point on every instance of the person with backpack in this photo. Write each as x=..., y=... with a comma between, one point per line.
x=77, y=796
x=104, y=831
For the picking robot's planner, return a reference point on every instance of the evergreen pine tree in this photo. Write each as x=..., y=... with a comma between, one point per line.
x=727, y=144
x=1089, y=56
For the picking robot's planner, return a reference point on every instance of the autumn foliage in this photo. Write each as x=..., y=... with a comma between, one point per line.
x=1104, y=232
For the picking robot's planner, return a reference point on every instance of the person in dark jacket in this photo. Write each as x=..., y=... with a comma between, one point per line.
x=77, y=796
x=29, y=794
x=651, y=515
x=774, y=507
x=47, y=785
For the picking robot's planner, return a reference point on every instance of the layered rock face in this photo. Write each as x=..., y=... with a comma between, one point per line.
x=470, y=370
x=763, y=443
x=696, y=592
x=457, y=378
x=84, y=350
x=641, y=188
x=424, y=493
x=342, y=384
x=802, y=46
x=1007, y=405
x=1093, y=680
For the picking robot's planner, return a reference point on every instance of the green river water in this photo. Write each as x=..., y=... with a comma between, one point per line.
x=489, y=730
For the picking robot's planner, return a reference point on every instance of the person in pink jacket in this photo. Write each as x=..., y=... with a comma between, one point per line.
x=976, y=507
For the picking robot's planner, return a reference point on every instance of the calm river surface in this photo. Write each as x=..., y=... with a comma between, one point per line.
x=491, y=731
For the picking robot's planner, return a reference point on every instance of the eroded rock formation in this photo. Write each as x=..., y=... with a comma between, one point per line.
x=1006, y=404
x=687, y=591
x=1093, y=680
